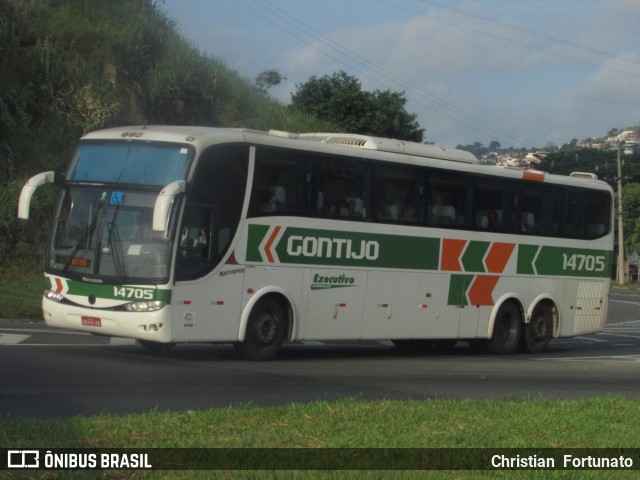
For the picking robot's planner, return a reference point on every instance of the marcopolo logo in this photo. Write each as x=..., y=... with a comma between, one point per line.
x=323, y=282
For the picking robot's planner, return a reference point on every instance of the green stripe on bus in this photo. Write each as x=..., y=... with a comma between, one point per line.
x=112, y=292
x=306, y=246
x=526, y=254
x=458, y=286
x=572, y=262
x=339, y=248
x=474, y=255
x=354, y=249
x=256, y=235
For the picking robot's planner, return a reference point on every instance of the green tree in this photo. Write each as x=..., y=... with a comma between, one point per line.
x=269, y=78
x=477, y=148
x=494, y=145
x=631, y=213
x=339, y=98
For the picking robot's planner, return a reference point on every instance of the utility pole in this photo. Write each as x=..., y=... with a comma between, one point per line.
x=620, y=221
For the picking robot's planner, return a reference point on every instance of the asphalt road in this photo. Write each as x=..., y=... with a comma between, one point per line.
x=50, y=373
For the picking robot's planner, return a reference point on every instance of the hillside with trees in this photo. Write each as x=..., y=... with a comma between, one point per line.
x=72, y=66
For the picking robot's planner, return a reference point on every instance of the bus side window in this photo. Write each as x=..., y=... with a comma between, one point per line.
x=598, y=206
x=572, y=224
x=586, y=214
x=213, y=209
x=447, y=200
x=272, y=199
x=341, y=187
x=397, y=194
x=280, y=183
x=539, y=209
x=491, y=201
x=195, y=240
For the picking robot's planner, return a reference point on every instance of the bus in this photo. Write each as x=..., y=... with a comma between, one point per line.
x=172, y=234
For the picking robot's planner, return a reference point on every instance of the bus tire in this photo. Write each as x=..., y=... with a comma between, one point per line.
x=537, y=333
x=506, y=330
x=266, y=329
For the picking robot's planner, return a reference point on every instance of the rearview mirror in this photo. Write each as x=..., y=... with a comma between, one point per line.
x=29, y=189
x=162, y=208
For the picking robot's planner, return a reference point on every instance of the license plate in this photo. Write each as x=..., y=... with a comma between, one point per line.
x=91, y=321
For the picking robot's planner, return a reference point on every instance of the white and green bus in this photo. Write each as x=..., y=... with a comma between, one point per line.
x=191, y=234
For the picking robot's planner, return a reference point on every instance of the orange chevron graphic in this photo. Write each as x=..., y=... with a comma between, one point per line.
x=269, y=244
x=481, y=291
x=451, y=251
x=498, y=256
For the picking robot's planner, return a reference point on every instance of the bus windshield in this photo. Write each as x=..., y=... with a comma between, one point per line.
x=107, y=233
x=129, y=163
x=105, y=215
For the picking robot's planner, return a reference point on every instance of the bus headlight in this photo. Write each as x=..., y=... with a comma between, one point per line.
x=150, y=306
x=55, y=296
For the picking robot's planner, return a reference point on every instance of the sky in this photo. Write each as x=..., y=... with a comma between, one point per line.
x=522, y=72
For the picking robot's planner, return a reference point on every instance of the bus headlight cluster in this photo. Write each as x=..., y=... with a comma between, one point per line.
x=150, y=306
x=55, y=296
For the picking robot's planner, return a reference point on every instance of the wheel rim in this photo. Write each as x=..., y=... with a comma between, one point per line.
x=507, y=327
x=266, y=328
x=538, y=327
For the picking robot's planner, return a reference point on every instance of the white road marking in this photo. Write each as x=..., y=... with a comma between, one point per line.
x=637, y=337
x=586, y=339
x=617, y=324
x=37, y=330
x=625, y=301
x=12, y=338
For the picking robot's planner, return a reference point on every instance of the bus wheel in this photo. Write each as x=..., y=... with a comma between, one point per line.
x=506, y=330
x=537, y=333
x=265, y=331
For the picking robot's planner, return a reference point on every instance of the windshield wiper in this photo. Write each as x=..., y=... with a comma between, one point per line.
x=83, y=241
x=116, y=251
x=115, y=245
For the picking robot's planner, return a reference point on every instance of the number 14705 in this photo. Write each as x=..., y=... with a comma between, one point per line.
x=130, y=292
x=588, y=263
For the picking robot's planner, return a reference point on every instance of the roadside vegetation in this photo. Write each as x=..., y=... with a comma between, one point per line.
x=71, y=66
x=20, y=293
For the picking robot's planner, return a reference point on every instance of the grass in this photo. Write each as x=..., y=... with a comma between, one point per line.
x=604, y=422
x=538, y=423
x=20, y=292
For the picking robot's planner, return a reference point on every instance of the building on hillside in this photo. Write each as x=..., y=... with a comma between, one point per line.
x=532, y=160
